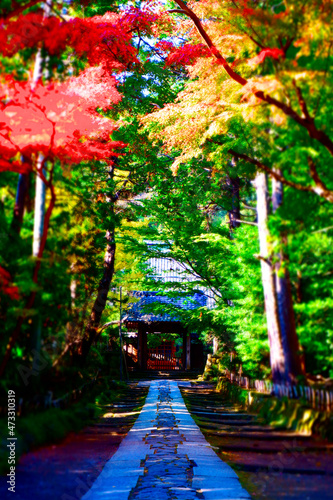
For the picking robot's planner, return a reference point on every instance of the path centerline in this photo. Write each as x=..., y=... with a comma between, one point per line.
x=165, y=457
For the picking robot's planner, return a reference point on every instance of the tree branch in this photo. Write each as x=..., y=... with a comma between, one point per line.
x=245, y=222
x=264, y=259
x=307, y=123
x=322, y=230
x=319, y=188
x=18, y=8
x=302, y=102
x=204, y=35
x=248, y=207
x=116, y=322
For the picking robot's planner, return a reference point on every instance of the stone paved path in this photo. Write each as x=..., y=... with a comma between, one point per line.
x=165, y=457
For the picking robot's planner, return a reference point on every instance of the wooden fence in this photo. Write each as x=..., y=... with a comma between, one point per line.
x=319, y=399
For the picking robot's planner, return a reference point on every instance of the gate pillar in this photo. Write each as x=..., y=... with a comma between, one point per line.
x=142, y=348
x=188, y=351
x=186, y=357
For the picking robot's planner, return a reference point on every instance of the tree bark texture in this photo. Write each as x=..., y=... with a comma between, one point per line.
x=234, y=213
x=277, y=357
x=39, y=215
x=92, y=331
x=40, y=192
x=21, y=193
x=291, y=347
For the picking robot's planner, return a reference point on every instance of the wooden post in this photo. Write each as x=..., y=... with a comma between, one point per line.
x=120, y=336
x=140, y=347
x=144, y=350
x=184, y=351
x=188, y=351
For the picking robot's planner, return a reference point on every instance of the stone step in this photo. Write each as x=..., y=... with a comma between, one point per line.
x=261, y=435
x=228, y=415
x=223, y=419
x=263, y=446
x=286, y=470
x=116, y=424
x=138, y=404
x=217, y=408
x=216, y=426
x=231, y=423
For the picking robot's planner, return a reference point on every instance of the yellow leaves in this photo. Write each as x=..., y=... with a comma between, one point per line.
x=233, y=45
x=178, y=161
x=201, y=111
x=212, y=101
x=219, y=125
x=304, y=75
x=267, y=85
x=253, y=107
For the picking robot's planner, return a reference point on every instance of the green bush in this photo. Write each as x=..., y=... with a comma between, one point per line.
x=294, y=415
x=44, y=428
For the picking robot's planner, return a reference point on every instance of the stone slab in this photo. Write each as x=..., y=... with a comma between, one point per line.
x=165, y=455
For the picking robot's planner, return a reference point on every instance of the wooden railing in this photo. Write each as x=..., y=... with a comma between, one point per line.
x=163, y=357
x=131, y=351
x=319, y=399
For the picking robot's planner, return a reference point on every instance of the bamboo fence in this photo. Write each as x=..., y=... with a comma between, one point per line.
x=319, y=399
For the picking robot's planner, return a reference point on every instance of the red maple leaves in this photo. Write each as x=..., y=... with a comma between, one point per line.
x=5, y=285
x=185, y=55
x=275, y=53
x=58, y=121
x=102, y=39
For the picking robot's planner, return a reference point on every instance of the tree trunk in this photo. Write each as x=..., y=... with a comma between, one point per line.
x=21, y=192
x=41, y=224
x=277, y=357
x=234, y=213
x=40, y=192
x=232, y=185
x=91, y=332
x=39, y=215
x=291, y=348
x=30, y=302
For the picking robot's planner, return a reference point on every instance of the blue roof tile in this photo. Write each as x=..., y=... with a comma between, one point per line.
x=139, y=311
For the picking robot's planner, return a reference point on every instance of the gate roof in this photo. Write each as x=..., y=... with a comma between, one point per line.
x=139, y=311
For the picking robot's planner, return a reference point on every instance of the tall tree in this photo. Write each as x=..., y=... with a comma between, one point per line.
x=91, y=332
x=242, y=104
x=278, y=354
x=287, y=322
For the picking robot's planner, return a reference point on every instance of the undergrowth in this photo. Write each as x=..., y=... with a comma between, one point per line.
x=281, y=413
x=52, y=425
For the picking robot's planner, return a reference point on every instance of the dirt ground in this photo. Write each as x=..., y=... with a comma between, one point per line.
x=66, y=470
